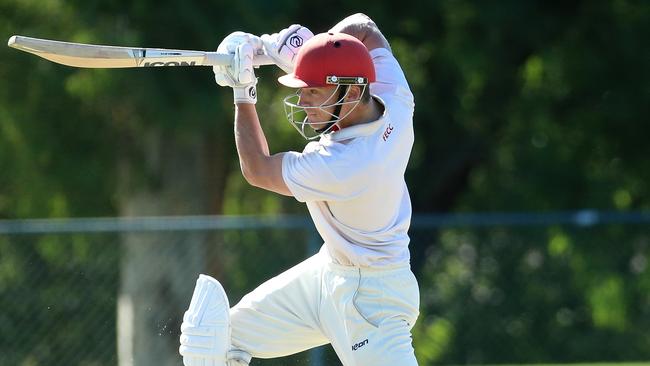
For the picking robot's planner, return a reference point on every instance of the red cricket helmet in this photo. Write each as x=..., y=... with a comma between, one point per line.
x=329, y=55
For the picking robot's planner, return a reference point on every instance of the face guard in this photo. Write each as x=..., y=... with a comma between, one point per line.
x=298, y=117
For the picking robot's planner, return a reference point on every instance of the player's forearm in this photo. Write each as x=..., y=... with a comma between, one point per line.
x=252, y=146
x=364, y=29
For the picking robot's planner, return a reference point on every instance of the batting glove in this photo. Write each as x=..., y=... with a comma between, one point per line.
x=240, y=75
x=283, y=46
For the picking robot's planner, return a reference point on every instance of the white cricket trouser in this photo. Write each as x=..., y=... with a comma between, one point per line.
x=367, y=314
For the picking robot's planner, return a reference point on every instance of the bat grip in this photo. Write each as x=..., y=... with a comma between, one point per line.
x=220, y=59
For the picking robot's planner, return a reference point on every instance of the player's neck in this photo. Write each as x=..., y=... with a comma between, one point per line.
x=363, y=113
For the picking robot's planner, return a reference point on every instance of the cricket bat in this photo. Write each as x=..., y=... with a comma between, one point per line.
x=98, y=56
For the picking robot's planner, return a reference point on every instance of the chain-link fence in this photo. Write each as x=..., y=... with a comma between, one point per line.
x=495, y=288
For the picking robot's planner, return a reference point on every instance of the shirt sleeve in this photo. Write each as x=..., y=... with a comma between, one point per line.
x=318, y=176
x=390, y=79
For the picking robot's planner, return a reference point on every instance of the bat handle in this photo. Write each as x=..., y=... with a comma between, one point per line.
x=220, y=59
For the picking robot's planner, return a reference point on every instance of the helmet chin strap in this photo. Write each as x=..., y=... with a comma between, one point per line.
x=337, y=110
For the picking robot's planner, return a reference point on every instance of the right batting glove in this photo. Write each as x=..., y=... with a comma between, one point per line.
x=240, y=75
x=283, y=47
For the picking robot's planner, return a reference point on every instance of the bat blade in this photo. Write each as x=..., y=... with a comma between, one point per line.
x=100, y=56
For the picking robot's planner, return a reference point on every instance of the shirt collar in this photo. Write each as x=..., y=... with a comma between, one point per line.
x=363, y=129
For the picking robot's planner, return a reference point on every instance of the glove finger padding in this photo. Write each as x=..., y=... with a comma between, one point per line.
x=283, y=46
x=245, y=90
x=222, y=77
x=243, y=68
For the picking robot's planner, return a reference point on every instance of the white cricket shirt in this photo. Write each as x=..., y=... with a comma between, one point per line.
x=352, y=180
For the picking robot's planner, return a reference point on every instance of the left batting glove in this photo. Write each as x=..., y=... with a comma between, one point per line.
x=283, y=46
x=240, y=74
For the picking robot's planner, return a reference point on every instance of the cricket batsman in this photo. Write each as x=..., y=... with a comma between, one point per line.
x=353, y=103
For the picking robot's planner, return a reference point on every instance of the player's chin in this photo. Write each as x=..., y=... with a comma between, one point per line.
x=318, y=125
x=313, y=120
